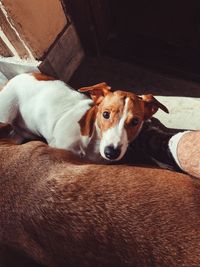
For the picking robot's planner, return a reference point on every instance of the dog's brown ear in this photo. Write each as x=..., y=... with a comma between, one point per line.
x=97, y=91
x=151, y=106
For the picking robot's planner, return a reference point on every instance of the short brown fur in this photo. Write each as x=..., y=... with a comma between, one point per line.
x=42, y=77
x=62, y=213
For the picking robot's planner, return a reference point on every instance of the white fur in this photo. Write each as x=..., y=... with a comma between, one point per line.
x=52, y=109
x=49, y=108
x=116, y=135
x=173, y=143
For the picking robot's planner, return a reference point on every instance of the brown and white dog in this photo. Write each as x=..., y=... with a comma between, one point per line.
x=61, y=213
x=67, y=119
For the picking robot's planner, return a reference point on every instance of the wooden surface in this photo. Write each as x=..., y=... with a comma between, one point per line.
x=4, y=50
x=162, y=36
x=12, y=36
x=37, y=22
x=64, y=57
x=92, y=21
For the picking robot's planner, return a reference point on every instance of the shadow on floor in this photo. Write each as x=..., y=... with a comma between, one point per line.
x=130, y=77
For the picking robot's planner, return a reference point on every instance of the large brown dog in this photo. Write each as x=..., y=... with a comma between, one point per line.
x=62, y=213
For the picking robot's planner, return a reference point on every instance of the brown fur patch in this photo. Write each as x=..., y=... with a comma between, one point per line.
x=114, y=104
x=97, y=91
x=87, y=121
x=62, y=214
x=43, y=77
x=151, y=106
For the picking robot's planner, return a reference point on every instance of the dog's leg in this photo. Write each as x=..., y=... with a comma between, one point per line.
x=8, y=104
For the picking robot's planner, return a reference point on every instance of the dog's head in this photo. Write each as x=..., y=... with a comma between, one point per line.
x=118, y=117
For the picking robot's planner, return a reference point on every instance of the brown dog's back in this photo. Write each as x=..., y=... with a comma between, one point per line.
x=66, y=214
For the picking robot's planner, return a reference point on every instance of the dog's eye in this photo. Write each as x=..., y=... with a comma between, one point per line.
x=135, y=121
x=106, y=115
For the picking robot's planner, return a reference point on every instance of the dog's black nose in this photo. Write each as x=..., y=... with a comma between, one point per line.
x=111, y=152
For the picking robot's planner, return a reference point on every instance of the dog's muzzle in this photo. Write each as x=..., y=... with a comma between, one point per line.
x=111, y=152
